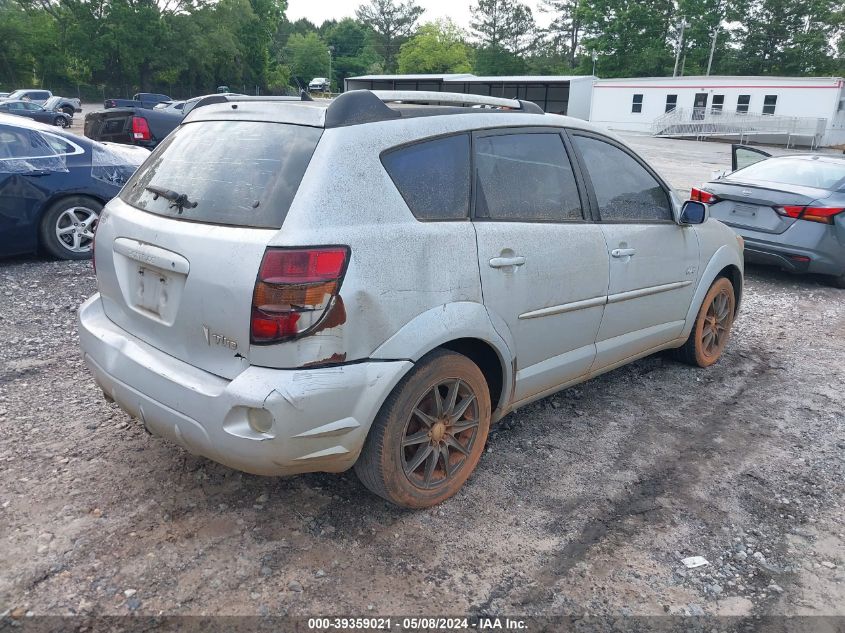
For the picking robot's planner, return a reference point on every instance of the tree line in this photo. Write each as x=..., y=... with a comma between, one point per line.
x=96, y=48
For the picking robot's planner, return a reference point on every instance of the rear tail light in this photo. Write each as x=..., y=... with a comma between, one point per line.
x=140, y=129
x=824, y=215
x=699, y=195
x=295, y=290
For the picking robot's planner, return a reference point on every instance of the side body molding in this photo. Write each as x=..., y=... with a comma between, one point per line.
x=436, y=326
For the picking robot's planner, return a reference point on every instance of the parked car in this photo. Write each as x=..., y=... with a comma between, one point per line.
x=139, y=126
x=35, y=112
x=66, y=104
x=53, y=185
x=288, y=287
x=3, y=95
x=789, y=209
x=146, y=100
x=319, y=84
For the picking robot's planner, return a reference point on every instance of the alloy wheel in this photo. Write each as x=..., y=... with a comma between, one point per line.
x=75, y=229
x=440, y=434
x=717, y=323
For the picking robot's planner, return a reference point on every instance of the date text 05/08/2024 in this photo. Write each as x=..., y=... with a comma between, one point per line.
x=417, y=623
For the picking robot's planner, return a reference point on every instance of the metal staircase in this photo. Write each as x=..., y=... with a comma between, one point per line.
x=701, y=123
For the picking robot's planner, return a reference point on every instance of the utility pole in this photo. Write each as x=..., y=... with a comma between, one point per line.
x=713, y=48
x=683, y=25
x=594, y=55
x=331, y=48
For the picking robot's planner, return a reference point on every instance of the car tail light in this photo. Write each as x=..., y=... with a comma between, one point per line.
x=699, y=195
x=140, y=129
x=813, y=214
x=295, y=290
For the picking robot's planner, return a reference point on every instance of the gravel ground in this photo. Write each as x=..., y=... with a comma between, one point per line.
x=585, y=502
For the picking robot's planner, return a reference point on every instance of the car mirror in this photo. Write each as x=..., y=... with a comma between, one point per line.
x=693, y=213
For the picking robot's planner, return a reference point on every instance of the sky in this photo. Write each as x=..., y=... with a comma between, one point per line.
x=319, y=10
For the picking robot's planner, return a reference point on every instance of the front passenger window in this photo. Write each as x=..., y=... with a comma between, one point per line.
x=625, y=190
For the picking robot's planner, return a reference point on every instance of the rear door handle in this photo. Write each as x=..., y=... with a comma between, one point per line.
x=504, y=262
x=623, y=252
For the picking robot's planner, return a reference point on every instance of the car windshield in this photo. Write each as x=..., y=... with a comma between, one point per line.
x=793, y=170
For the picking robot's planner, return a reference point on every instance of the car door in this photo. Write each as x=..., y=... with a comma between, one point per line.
x=28, y=171
x=743, y=156
x=543, y=262
x=653, y=260
x=36, y=112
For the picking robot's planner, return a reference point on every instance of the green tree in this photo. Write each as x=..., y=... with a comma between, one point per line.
x=631, y=37
x=351, y=51
x=391, y=24
x=791, y=37
x=565, y=29
x=503, y=24
x=307, y=57
x=438, y=47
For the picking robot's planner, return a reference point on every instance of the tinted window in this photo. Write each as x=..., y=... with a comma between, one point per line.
x=433, y=177
x=718, y=103
x=795, y=171
x=525, y=177
x=637, y=104
x=742, y=102
x=625, y=190
x=671, y=102
x=769, y=104
x=243, y=173
x=22, y=143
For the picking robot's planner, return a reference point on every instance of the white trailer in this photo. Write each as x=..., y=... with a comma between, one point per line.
x=718, y=105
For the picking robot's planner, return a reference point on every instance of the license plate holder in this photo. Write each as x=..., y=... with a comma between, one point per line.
x=151, y=291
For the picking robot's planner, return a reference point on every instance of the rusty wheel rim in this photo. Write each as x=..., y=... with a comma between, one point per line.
x=440, y=434
x=716, y=325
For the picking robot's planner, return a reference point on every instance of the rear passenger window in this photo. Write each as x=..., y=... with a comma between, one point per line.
x=625, y=190
x=433, y=177
x=525, y=177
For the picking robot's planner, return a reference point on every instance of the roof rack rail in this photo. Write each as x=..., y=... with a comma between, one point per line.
x=368, y=106
x=230, y=98
x=455, y=98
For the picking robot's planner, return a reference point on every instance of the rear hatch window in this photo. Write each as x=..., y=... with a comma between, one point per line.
x=238, y=173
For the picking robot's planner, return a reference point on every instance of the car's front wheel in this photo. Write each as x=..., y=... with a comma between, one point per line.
x=429, y=435
x=712, y=327
x=60, y=121
x=67, y=227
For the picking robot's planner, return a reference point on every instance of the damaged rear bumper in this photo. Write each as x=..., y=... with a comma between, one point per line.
x=303, y=420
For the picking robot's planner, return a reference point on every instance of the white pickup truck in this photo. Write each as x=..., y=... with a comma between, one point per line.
x=67, y=105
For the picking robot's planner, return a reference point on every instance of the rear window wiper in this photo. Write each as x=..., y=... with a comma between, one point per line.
x=178, y=201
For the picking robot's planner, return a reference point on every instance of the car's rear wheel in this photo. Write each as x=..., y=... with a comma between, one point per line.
x=429, y=435
x=60, y=121
x=712, y=327
x=67, y=228
x=68, y=111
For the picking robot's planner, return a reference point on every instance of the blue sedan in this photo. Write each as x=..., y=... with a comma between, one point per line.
x=53, y=186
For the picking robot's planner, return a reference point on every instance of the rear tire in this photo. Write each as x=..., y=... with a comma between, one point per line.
x=67, y=227
x=68, y=111
x=712, y=327
x=429, y=434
